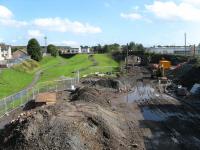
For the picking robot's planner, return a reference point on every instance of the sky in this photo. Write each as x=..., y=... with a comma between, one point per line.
x=89, y=22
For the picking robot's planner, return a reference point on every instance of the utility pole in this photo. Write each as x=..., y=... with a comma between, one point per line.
x=45, y=42
x=185, y=35
x=127, y=59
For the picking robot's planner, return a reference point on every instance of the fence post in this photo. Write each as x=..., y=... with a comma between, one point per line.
x=33, y=90
x=6, y=107
x=27, y=98
x=12, y=102
x=78, y=76
x=21, y=99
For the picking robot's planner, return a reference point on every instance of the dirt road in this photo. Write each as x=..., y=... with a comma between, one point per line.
x=101, y=115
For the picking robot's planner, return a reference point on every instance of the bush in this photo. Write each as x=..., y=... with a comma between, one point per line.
x=52, y=49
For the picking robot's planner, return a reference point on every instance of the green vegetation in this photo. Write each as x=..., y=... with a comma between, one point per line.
x=105, y=60
x=20, y=76
x=52, y=49
x=67, y=67
x=34, y=50
x=29, y=66
x=11, y=81
x=50, y=61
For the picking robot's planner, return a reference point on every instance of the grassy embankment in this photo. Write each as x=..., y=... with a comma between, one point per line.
x=20, y=76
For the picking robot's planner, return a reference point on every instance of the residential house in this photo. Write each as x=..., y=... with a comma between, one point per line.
x=5, y=53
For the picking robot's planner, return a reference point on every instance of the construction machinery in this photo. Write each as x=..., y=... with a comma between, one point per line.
x=165, y=64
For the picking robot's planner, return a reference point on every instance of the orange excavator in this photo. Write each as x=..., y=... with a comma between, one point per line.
x=158, y=70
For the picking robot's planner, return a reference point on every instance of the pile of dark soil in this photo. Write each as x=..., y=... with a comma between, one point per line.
x=91, y=95
x=106, y=83
x=187, y=75
x=191, y=77
x=67, y=126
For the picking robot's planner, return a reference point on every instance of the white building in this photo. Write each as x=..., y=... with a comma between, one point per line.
x=85, y=49
x=170, y=49
x=5, y=54
x=78, y=50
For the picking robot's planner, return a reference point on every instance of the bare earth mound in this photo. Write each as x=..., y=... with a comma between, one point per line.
x=80, y=124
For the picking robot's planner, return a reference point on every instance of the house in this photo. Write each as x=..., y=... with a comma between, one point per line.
x=85, y=49
x=70, y=50
x=5, y=53
x=19, y=54
x=75, y=50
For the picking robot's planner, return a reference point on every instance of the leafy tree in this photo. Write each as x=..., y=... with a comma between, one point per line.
x=52, y=49
x=131, y=46
x=140, y=47
x=105, y=49
x=34, y=50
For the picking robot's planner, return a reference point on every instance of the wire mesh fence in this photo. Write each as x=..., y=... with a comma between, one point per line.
x=19, y=99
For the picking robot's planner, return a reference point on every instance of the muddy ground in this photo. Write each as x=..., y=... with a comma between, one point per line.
x=130, y=112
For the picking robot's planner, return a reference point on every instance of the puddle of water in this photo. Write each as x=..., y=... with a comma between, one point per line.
x=157, y=115
x=141, y=92
x=148, y=114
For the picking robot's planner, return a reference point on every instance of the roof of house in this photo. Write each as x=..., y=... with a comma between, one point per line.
x=19, y=53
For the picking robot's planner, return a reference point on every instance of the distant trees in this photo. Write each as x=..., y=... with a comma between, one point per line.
x=52, y=49
x=113, y=48
x=133, y=47
x=106, y=48
x=34, y=50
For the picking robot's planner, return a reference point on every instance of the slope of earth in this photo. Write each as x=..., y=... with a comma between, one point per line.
x=105, y=117
x=187, y=74
x=20, y=76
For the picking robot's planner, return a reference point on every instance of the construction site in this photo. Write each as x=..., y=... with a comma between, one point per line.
x=151, y=106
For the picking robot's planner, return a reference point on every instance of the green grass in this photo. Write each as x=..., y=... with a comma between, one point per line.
x=29, y=66
x=20, y=76
x=105, y=60
x=50, y=61
x=104, y=64
x=12, y=81
x=67, y=68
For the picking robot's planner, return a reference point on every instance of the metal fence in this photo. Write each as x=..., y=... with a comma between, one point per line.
x=17, y=100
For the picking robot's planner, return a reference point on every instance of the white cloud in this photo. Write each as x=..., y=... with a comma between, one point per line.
x=70, y=43
x=51, y=24
x=67, y=43
x=35, y=34
x=13, y=23
x=5, y=12
x=131, y=16
x=65, y=25
x=193, y=2
x=169, y=10
x=6, y=18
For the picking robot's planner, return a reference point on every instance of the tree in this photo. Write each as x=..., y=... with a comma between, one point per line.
x=34, y=50
x=52, y=49
x=131, y=46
